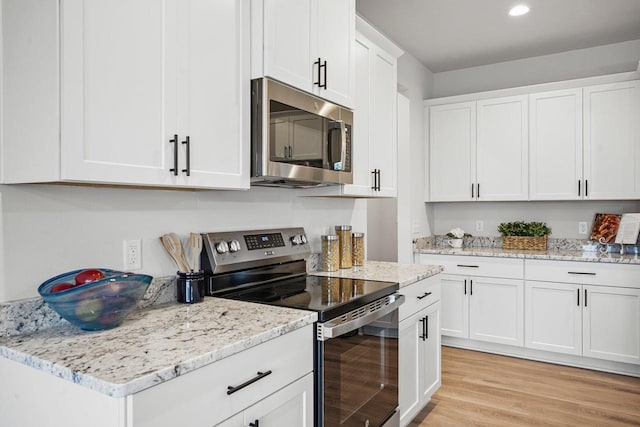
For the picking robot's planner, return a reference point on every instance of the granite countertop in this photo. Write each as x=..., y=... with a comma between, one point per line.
x=403, y=274
x=153, y=345
x=560, y=255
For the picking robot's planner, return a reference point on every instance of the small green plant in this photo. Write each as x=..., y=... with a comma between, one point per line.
x=521, y=228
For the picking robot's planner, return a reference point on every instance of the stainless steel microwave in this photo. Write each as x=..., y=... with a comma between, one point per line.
x=297, y=139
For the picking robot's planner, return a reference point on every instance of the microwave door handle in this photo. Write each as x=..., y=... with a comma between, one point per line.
x=339, y=126
x=330, y=329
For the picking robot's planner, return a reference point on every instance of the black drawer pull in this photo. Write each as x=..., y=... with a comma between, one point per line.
x=426, y=294
x=256, y=423
x=582, y=273
x=261, y=375
x=467, y=266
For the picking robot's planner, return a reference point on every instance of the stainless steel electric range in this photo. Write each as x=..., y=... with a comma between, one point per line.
x=356, y=336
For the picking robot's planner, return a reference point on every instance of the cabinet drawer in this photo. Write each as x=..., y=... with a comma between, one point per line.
x=589, y=273
x=200, y=398
x=419, y=295
x=477, y=266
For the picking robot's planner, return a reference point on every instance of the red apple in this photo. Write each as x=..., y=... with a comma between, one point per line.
x=61, y=287
x=88, y=276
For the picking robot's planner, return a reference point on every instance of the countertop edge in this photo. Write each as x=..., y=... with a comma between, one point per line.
x=578, y=256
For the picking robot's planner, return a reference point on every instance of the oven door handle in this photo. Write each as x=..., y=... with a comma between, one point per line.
x=328, y=330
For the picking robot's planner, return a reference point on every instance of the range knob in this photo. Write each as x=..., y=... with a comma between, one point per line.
x=296, y=239
x=304, y=238
x=234, y=246
x=222, y=247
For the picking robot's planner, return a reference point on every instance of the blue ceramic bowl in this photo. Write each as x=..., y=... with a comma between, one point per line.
x=97, y=305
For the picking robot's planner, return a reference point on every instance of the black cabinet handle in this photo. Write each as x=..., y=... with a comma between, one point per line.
x=470, y=287
x=582, y=273
x=465, y=286
x=472, y=185
x=578, y=297
x=585, y=297
x=478, y=192
x=188, y=169
x=467, y=266
x=256, y=423
x=579, y=186
x=422, y=337
x=324, y=85
x=375, y=178
x=426, y=327
x=426, y=294
x=586, y=188
x=174, y=141
x=259, y=376
x=319, y=73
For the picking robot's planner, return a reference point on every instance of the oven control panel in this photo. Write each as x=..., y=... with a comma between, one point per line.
x=236, y=250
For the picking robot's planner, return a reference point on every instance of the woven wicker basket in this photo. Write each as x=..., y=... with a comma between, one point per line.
x=525, y=242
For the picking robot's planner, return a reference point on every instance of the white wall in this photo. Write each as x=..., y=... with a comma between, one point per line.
x=562, y=217
x=416, y=82
x=49, y=229
x=596, y=61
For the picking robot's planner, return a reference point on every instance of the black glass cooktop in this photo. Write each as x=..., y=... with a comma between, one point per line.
x=329, y=296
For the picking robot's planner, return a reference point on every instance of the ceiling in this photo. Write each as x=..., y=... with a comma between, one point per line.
x=452, y=34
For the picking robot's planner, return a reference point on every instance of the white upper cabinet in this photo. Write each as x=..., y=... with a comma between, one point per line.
x=612, y=141
x=452, y=137
x=144, y=99
x=374, y=143
x=478, y=150
x=555, y=141
x=502, y=149
x=307, y=44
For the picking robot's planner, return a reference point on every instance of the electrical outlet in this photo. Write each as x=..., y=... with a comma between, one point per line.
x=132, y=255
x=582, y=227
x=479, y=225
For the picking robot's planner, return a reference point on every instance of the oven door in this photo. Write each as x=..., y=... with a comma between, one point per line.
x=357, y=368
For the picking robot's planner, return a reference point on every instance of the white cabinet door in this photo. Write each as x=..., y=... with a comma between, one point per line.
x=336, y=25
x=137, y=73
x=496, y=310
x=455, y=306
x=452, y=144
x=214, y=93
x=612, y=141
x=287, y=53
x=611, y=327
x=383, y=146
x=235, y=421
x=555, y=145
x=502, y=149
x=374, y=143
x=410, y=366
x=553, y=317
x=118, y=91
x=362, y=178
x=291, y=406
x=430, y=364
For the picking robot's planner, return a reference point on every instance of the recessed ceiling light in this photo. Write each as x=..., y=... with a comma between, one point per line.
x=519, y=10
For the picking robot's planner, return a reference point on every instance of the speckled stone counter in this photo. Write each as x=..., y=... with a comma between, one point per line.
x=153, y=345
x=403, y=274
x=559, y=255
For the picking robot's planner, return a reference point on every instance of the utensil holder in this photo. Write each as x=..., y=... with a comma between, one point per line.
x=190, y=287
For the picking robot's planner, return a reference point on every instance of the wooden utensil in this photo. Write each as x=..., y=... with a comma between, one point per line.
x=195, y=243
x=174, y=248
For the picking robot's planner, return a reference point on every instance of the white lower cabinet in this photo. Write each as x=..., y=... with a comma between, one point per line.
x=602, y=322
x=419, y=354
x=292, y=406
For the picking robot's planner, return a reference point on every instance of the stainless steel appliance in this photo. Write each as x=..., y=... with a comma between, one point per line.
x=297, y=139
x=356, y=336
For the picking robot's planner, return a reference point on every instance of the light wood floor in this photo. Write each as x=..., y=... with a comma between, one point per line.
x=480, y=389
